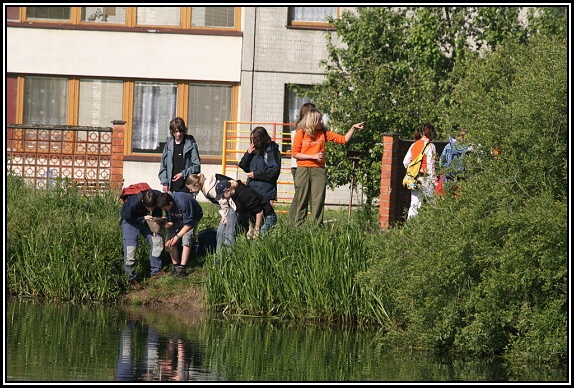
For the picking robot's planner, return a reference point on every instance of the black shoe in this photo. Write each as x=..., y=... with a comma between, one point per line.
x=157, y=275
x=135, y=285
x=180, y=271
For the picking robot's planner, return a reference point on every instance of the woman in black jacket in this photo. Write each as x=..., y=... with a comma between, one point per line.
x=250, y=204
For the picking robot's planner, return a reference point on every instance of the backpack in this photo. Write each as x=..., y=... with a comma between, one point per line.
x=410, y=181
x=136, y=188
x=452, y=159
x=206, y=242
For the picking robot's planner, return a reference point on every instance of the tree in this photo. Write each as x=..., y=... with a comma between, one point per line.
x=392, y=68
x=487, y=273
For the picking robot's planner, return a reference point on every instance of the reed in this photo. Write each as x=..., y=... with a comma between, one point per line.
x=63, y=244
x=305, y=272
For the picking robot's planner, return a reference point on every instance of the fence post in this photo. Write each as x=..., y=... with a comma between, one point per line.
x=117, y=165
x=389, y=170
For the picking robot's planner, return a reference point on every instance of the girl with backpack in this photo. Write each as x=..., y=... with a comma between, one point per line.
x=226, y=230
x=428, y=178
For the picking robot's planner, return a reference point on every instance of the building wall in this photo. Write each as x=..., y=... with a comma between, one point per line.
x=273, y=57
x=263, y=61
x=123, y=54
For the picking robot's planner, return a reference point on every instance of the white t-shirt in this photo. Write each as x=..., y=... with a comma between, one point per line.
x=293, y=160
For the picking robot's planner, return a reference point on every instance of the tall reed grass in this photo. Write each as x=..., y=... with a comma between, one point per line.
x=63, y=244
x=305, y=272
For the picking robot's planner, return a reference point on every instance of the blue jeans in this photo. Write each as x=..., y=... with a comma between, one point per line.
x=130, y=233
x=226, y=232
x=269, y=222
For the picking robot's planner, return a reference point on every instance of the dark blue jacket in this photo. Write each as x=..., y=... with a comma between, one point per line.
x=185, y=209
x=133, y=210
x=266, y=168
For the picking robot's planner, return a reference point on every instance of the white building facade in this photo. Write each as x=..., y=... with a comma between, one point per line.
x=89, y=66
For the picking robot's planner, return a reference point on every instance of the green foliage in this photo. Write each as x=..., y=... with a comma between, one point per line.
x=485, y=273
x=65, y=245
x=522, y=113
x=395, y=68
x=548, y=21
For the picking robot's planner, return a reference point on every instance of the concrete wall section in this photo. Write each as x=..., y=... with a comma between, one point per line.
x=133, y=55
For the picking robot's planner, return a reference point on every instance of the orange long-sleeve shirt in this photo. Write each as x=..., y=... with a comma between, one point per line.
x=305, y=144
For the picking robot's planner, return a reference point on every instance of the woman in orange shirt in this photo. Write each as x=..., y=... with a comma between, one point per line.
x=310, y=178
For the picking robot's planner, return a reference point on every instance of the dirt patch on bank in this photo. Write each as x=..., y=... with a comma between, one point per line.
x=187, y=297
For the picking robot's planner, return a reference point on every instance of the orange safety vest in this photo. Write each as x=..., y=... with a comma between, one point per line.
x=417, y=148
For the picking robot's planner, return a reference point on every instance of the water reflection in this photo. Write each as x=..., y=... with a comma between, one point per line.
x=63, y=342
x=171, y=358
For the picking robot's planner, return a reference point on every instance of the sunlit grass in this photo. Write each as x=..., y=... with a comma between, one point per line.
x=305, y=272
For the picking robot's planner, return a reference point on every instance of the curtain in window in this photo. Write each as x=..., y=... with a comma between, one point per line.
x=158, y=16
x=45, y=101
x=295, y=101
x=104, y=14
x=100, y=102
x=209, y=107
x=313, y=14
x=49, y=13
x=154, y=107
x=213, y=17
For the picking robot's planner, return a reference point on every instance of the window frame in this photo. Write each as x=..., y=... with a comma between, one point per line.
x=15, y=98
x=287, y=109
x=291, y=23
x=130, y=22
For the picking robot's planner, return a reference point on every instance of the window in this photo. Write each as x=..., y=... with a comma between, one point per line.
x=48, y=13
x=45, y=100
x=170, y=19
x=294, y=103
x=311, y=16
x=208, y=108
x=292, y=107
x=155, y=104
x=104, y=15
x=100, y=102
x=158, y=16
x=213, y=17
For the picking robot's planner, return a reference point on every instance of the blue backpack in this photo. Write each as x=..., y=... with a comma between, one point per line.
x=451, y=159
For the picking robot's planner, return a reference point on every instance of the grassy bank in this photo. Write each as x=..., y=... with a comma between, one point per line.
x=496, y=290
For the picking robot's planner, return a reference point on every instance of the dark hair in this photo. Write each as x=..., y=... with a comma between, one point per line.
x=149, y=198
x=177, y=124
x=260, y=139
x=417, y=134
x=164, y=199
x=428, y=130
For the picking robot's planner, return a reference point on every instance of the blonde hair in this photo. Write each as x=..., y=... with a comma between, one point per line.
x=310, y=122
x=232, y=185
x=195, y=179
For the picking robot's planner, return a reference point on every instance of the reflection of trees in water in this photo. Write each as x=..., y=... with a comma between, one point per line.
x=146, y=355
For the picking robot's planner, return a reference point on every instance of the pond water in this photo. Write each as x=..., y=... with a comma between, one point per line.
x=50, y=342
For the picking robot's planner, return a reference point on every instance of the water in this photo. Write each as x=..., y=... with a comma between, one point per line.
x=50, y=342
